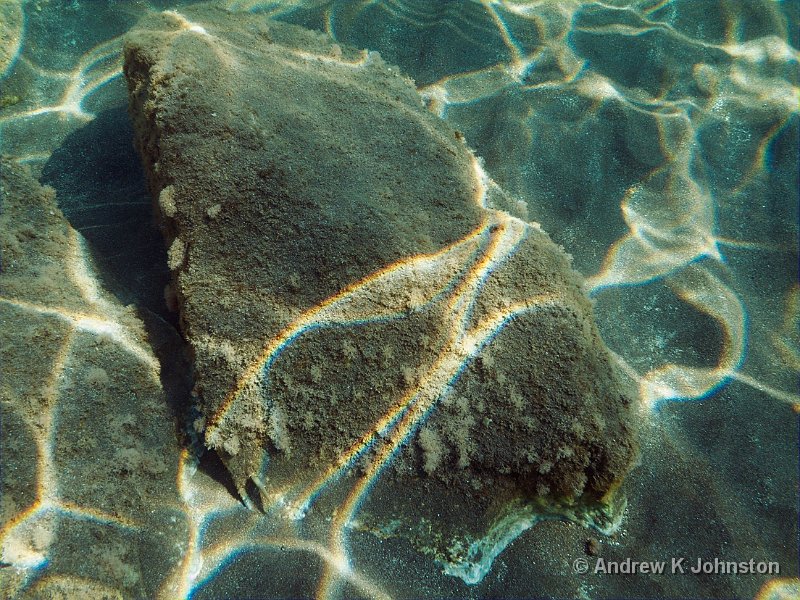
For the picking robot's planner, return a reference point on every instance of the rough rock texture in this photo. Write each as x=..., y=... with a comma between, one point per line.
x=11, y=28
x=88, y=444
x=353, y=296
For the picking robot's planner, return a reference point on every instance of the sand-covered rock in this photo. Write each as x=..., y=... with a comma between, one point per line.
x=359, y=307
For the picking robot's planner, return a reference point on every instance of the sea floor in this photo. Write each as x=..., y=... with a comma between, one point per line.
x=656, y=141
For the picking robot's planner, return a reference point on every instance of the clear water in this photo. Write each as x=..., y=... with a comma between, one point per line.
x=657, y=141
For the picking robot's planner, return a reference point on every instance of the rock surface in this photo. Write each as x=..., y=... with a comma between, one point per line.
x=89, y=455
x=11, y=29
x=358, y=304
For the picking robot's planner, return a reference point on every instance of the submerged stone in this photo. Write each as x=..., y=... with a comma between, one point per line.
x=376, y=329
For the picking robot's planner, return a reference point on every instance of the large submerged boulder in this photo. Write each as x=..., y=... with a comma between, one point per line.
x=374, y=324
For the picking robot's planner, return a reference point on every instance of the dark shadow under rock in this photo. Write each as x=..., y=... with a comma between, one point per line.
x=102, y=191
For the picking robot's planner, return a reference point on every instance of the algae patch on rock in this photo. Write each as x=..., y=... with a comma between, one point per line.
x=372, y=334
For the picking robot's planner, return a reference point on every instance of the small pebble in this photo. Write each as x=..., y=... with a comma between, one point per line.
x=592, y=547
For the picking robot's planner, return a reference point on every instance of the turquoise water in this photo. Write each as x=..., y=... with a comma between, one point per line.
x=656, y=141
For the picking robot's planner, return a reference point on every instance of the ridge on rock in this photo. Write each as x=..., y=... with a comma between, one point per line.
x=363, y=317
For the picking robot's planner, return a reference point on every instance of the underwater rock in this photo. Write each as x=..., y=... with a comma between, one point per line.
x=374, y=325
x=89, y=455
x=12, y=22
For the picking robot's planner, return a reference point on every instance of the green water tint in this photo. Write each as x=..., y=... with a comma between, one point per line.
x=656, y=141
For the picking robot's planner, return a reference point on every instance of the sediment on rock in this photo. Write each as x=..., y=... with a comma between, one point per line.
x=357, y=306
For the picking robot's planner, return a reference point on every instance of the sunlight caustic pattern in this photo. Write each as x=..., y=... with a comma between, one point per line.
x=67, y=93
x=655, y=245
x=672, y=231
x=11, y=33
x=481, y=252
x=450, y=304
x=671, y=212
x=206, y=504
x=50, y=291
x=673, y=235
